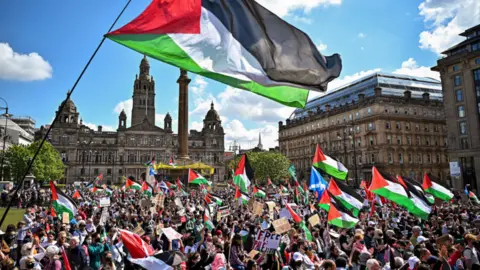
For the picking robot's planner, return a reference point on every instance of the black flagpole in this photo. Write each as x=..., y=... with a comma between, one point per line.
x=69, y=93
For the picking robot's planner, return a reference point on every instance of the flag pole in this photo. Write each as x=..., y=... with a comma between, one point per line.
x=69, y=93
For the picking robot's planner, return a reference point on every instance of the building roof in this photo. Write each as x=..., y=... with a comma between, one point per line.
x=391, y=84
x=15, y=127
x=212, y=114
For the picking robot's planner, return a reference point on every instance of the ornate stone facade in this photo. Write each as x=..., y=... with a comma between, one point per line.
x=394, y=125
x=88, y=153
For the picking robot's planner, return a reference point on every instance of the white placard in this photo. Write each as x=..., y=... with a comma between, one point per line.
x=266, y=241
x=455, y=170
x=105, y=202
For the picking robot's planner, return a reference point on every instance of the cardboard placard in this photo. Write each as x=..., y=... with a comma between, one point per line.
x=65, y=218
x=271, y=209
x=171, y=234
x=266, y=241
x=159, y=200
x=253, y=253
x=258, y=208
x=105, y=202
x=138, y=230
x=314, y=220
x=251, y=203
x=281, y=225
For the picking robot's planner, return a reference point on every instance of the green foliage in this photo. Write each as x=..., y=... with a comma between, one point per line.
x=266, y=164
x=47, y=166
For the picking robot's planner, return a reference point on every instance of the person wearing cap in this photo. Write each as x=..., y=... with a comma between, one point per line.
x=413, y=263
x=470, y=252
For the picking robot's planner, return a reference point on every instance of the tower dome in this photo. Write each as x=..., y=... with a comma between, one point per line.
x=69, y=106
x=212, y=114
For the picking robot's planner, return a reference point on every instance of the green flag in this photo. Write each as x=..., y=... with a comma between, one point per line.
x=292, y=172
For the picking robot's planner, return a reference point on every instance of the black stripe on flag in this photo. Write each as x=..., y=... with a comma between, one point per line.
x=285, y=53
x=350, y=191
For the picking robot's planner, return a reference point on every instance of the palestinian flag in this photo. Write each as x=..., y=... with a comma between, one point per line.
x=196, y=178
x=419, y=204
x=346, y=196
x=305, y=193
x=99, y=179
x=236, y=42
x=283, y=189
x=329, y=165
x=471, y=195
x=426, y=196
x=241, y=197
x=389, y=189
x=259, y=193
x=137, y=248
x=151, y=162
x=130, y=184
x=340, y=216
x=166, y=260
x=77, y=195
x=107, y=190
x=147, y=189
x=243, y=174
x=62, y=203
x=213, y=198
x=300, y=222
x=207, y=219
x=178, y=183
x=325, y=201
x=435, y=189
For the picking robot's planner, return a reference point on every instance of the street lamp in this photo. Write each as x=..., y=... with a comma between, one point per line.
x=350, y=135
x=4, y=136
x=235, y=146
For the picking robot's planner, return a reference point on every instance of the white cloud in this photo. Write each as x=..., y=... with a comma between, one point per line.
x=321, y=46
x=283, y=7
x=22, y=67
x=361, y=35
x=199, y=85
x=447, y=19
x=125, y=105
x=160, y=117
x=410, y=67
x=196, y=125
x=104, y=127
x=248, y=138
x=302, y=19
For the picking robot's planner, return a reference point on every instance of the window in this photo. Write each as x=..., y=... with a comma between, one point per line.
x=417, y=127
x=389, y=139
x=409, y=140
x=464, y=143
x=357, y=128
x=400, y=158
x=410, y=158
x=463, y=128
x=109, y=171
x=461, y=111
x=369, y=110
x=357, y=115
x=82, y=171
x=398, y=125
x=390, y=158
x=372, y=158
x=387, y=125
x=350, y=117
x=371, y=126
x=455, y=68
x=399, y=140
x=427, y=141
x=476, y=74
x=476, y=46
x=419, y=142
x=426, y=128
x=407, y=126
x=438, y=158
x=429, y=158
x=419, y=158
x=457, y=80
x=95, y=171
x=120, y=172
x=459, y=95
x=371, y=140
x=477, y=61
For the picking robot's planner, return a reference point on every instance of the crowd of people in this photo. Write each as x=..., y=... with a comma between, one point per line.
x=389, y=238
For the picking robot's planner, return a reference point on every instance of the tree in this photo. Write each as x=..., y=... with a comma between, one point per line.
x=47, y=166
x=266, y=165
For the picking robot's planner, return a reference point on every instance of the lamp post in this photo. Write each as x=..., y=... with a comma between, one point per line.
x=350, y=135
x=235, y=146
x=4, y=136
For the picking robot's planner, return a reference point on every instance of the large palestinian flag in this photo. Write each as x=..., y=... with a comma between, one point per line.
x=243, y=174
x=426, y=196
x=62, y=203
x=257, y=192
x=346, y=196
x=339, y=216
x=300, y=222
x=130, y=184
x=329, y=165
x=389, y=189
x=435, y=189
x=236, y=42
x=325, y=200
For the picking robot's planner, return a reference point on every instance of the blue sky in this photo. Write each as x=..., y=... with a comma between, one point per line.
x=45, y=44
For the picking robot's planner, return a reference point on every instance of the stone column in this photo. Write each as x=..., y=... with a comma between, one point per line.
x=183, y=82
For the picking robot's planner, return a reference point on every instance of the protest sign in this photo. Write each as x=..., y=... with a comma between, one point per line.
x=314, y=220
x=178, y=203
x=138, y=230
x=281, y=225
x=65, y=218
x=105, y=202
x=171, y=234
x=266, y=241
x=271, y=208
x=284, y=213
x=258, y=208
x=159, y=200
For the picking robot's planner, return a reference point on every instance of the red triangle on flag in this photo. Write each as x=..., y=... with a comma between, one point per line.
x=427, y=183
x=76, y=195
x=192, y=175
x=294, y=215
x=333, y=213
x=325, y=199
x=135, y=245
x=377, y=180
x=241, y=167
x=334, y=189
x=319, y=156
x=238, y=194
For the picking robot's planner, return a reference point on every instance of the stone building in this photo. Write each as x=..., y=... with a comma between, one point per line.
x=460, y=74
x=88, y=153
x=394, y=122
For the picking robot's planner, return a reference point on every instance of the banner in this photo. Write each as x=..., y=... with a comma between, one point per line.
x=258, y=208
x=314, y=220
x=271, y=209
x=105, y=202
x=171, y=234
x=266, y=241
x=281, y=225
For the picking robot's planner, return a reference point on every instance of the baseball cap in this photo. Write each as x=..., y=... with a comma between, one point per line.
x=412, y=261
x=297, y=256
x=421, y=239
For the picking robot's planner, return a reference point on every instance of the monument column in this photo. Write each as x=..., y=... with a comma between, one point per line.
x=183, y=82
